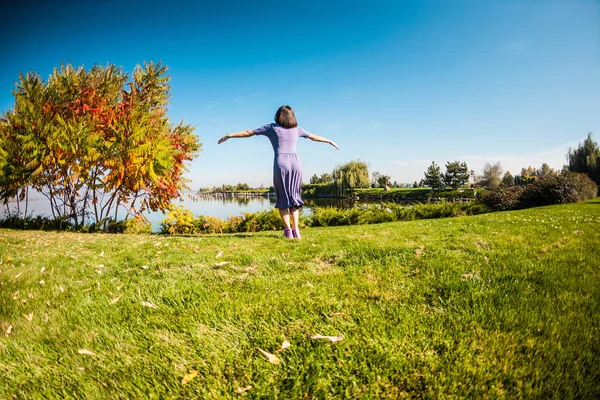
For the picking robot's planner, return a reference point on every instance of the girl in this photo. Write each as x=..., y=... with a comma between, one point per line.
x=287, y=169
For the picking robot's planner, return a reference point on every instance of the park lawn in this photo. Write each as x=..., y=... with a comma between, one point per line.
x=502, y=305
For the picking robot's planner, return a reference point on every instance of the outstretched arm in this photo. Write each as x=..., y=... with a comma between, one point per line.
x=240, y=134
x=322, y=139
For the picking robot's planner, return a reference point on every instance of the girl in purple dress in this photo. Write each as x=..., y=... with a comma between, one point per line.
x=287, y=169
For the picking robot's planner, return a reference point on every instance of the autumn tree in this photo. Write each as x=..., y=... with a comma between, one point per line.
x=456, y=175
x=433, y=176
x=95, y=141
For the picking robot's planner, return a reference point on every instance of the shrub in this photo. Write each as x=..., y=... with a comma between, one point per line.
x=137, y=225
x=179, y=221
x=259, y=221
x=504, y=198
x=568, y=187
x=39, y=222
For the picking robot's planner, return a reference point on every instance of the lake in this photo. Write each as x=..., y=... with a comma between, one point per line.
x=213, y=205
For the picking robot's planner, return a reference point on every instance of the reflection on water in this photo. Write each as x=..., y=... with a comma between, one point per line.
x=222, y=206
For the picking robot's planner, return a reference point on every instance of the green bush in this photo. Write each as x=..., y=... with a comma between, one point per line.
x=39, y=222
x=568, y=187
x=504, y=198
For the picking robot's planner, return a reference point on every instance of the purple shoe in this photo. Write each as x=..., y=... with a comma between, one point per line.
x=287, y=233
x=296, y=234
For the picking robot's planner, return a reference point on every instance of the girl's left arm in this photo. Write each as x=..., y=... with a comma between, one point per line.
x=240, y=134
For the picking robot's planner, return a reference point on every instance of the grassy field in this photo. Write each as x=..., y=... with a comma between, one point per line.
x=502, y=305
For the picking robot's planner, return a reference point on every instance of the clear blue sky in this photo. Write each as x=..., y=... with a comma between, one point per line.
x=395, y=83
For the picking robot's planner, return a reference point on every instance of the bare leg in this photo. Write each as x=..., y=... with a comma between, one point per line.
x=285, y=216
x=295, y=217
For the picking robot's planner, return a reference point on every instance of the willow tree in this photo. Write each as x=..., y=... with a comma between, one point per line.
x=351, y=175
x=94, y=141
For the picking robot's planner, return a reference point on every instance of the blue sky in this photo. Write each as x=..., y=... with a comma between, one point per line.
x=395, y=83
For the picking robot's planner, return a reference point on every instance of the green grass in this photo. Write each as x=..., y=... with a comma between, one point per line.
x=502, y=305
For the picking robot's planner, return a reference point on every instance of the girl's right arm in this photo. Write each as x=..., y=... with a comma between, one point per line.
x=323, y=140
x=240, y=134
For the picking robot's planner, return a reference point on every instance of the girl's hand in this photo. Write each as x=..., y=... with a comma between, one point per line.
x=333, y=144
x=223, y=139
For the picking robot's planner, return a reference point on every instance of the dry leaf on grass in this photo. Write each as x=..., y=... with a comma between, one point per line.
x=307, y=283
x=219, y=254
x=332, y=339
x=102, y=254
x=42, y=282
x=188, y=377
x=29, y=317
x=42, y=270
x=149, y=304
x=113, y=301
x=243, y=390
x=222, y=263
x=272, y=358
x=61, y=288
x=86, y=352
x=418, y=252
x=144, y=267
x=87, y=290
x=6, y=328
x=46, y=319
x=487, y=260
x=339, y=314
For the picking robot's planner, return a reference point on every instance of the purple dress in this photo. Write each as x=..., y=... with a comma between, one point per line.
x=287, y=169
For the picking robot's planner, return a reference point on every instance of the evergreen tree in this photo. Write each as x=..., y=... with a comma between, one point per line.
x=586, y=158
x=433, y=177
x=456, y=174
x=508, y=179
x=415, y=185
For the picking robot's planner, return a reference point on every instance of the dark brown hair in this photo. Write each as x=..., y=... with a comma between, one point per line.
x=285, y=117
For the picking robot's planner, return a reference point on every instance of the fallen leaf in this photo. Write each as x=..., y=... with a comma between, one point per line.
x=219, y=254
x=100, y=266
x=46, y=319
x=144, y=267
x=18, y=275
x=42, y=282
x=29, y=317
x=418, y=252
x=86, y=352
x=487, y=260
x=99, y=271
x=285, y=345
x=332, y=339
x=243, y=391
x=222, y=263
x=8, y=259
x=61, y=288
x=249, y=269
x=272, y=358
x=339, y=314
x=149, y=304
x=188, y=377
x=87, y=290
x=31, y=296
x=102, y=254
x=309, y=284
x=7, y=328
x=42, y=270
x=113, y=301
x=128, y=270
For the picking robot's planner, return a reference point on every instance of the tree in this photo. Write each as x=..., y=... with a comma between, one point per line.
x=545, y=170
x=586, y=158
x=383, y=180
x=351, y=175
x=456, y=175
x=492, y=175
x=325, y=178
x=375, y=179
x=508, y=179
x=95, y=140
x=433, y=177
x=415, y=185
x=314, y=179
